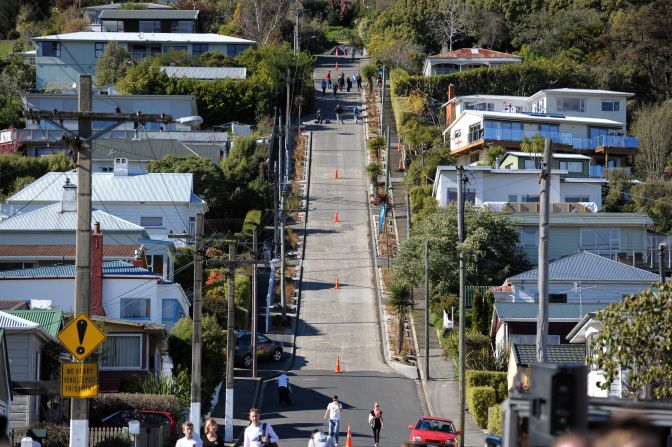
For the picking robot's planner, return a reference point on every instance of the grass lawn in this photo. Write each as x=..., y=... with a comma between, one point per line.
x=5, y=48
x=338, y=34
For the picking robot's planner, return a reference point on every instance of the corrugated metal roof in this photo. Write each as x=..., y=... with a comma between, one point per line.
x=110, y=268
x=62, y=251
x=118, y=5
x=556, y=311
x=49, y=320
x=152, y=149
x=8, y=321
x=154, y=187
x=205, y=72
x=586, y=266
x=567, y=354
x=13, y=304
x=475, y=53
x=92, y=36
x=148, y=14
x=51, y=218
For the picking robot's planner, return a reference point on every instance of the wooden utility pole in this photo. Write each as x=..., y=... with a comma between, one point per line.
x=426, y=308
x=197, y=314
x=387, y=160
x=81, y=142
x=542, y=269
x=460, y=254
x=382, y=101
x=661, y=264
x=230, y=345
x=253, y=325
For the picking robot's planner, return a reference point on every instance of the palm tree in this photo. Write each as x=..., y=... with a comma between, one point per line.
x=370, y=72
x=401, y=299
x=373, y=170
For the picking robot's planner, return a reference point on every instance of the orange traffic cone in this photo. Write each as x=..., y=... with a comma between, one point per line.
x=401, y=164
x=336, y=174
x=338, y=364
x=336, y=51
x=399, y=146
x=336, y=66
x=337, y=285
x=348, y=440
x=336, y=219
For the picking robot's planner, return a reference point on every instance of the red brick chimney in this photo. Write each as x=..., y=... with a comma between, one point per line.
x=97, y=271
x=450, y=108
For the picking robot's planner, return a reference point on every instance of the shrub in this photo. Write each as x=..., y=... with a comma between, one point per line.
x=106, y=404
x=479, y=399
x=473, y=343
x=497, y=380
x=376, y=145
x=496, y=420
x=117, y=441
x=57, y=435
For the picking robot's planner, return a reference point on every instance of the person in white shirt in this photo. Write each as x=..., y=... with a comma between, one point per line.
x=334, y=412
x=189, y=440
x=283, y=389
x=258, y=433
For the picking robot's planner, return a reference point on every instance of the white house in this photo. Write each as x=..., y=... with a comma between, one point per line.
x=592, y=122
x=161, y=203
x=5, y=378
x=61, y=58
x=467, y=59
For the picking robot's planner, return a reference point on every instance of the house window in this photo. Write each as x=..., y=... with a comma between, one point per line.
x=100, y=48
x=611, y=105
x=167, y=48
x=151, y=221
x=150, y=26
x=155, y=264
x=122, y=352
x=529, y=198
x=513, y=198
x=572, y=166
x=113, y=26
x=484, y=106
x=181, y=26
x=135, y=308
x=199, y=48
x=234, y=50
x=567, y=104
x=475, y=132
x=575, y=199
x=457, y=133
x=530, y=164
x=469, y=195
x=600, y=239
x=51, y=49
x=171, y=313
x=106, y=168
x=557, y=297
x=529, y=237
x=548, y=129
x=599, y=131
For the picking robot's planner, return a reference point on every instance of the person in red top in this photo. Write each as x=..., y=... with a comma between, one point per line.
x=329, y=78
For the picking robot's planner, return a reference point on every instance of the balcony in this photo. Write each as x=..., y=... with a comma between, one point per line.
x=49, y=136
x=600, y=144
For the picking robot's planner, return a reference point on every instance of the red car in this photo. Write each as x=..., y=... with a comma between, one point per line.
x=433, y=432
x=147, y=418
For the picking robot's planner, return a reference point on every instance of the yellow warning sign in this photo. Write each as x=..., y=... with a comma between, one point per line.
x=79, y=379
x=81, y=337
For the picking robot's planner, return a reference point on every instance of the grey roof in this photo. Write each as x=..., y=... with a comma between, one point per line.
x=150, y=150
x=564, y=354
x=587, y=219
x=149, y=14
x=92, y=36
x=586, y=266
x=51, y=218
x=107, y=187
x=556, y=311
x=205, y=72
x=110, y=268
x=118, y=5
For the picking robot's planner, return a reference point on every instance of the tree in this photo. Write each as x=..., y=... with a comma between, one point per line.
x=112, y=65
x=652, y=126
x=395, y=52
x=449, y=22
x=535, y=146
x=261, y=19
x=490, y=248
x=481, y=312
x=401, y=299
x=373, y=170
x=634, y=339
x=654, y=197
x=369, y=73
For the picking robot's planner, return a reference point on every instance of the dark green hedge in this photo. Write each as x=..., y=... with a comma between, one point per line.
x=479, y=399
x=497, y=380
x=106, y=404
x=522, y=79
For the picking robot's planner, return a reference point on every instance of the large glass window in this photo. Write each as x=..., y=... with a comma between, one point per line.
x=122, y=352
x=529, y=198
x=150, y=26
x=171, y=313
x=572, y=166
x=51, y=49
x=475, y=132
x=469, y=195
x=135, y=308
x=199, y=48
x=234, y=50
x=599, y=131
x=100, y=48
x=529, y=237
x=181, y=26
x=611, y=105
x=151, y=221
x=485, y=106
x=567, y=104
x=155, y=264
x=600, y=238
x=113, y=26
x=546, y=129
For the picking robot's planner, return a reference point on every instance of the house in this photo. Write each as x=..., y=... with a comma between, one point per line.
x=578, y=284
x=149, y=21
x=466, y=59
x=160, y=203
x=521, y=356
x=5, y=378
x=62, y=58
x=205, y=73
x=576, y=165
x=590, y=122
x=25, y=341
x=92, y=13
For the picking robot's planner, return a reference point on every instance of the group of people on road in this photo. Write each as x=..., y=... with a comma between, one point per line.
x=341, y=82
x=259, y=434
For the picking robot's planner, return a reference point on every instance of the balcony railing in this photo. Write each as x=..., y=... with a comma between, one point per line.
x=564, y=138
x=620, y=141
x=38, y=135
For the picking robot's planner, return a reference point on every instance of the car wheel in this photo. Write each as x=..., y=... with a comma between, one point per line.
x=277, y=355
x=247, y=360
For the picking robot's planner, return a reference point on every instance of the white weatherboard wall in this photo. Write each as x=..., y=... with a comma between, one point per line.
x=23, y=349
x=592, y=190
x=591, y=291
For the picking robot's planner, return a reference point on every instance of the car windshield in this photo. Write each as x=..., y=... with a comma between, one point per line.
x=433, y=425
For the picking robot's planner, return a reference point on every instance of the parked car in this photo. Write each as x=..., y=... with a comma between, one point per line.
x=433, y=432
x=147, y=418
x=266, y=348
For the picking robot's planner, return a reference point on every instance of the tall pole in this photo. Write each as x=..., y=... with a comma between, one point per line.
x=387, y=160
x=542, y=280
x=197, y=336
x=426, y=307
x=288, y=108
x=281, y=219
x=230, y=346
x=79, y=410
x=382, y=100
x=460, y=238
x=254, y=302
x=296, y=32
x=661, y=263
